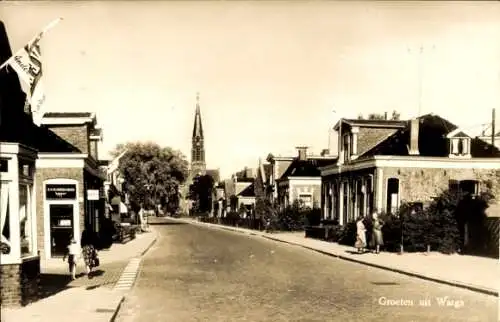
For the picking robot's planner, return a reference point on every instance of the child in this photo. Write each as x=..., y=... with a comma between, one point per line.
x=73, y=252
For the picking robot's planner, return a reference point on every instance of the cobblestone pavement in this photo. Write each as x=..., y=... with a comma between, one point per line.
x=53, y=279
x=198, y=274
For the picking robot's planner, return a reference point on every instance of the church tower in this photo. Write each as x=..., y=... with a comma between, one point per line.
x=198, y=165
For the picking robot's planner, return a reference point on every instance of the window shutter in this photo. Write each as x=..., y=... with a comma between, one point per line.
x=454, y=146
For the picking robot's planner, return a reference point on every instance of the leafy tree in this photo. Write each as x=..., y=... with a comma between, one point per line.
x=202, y=193
x=152, y=173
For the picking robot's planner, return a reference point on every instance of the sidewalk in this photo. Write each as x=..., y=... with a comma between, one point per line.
x=474, y=273
x=83, y=299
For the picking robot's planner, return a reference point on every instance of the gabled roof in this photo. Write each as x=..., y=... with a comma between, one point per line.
x=307, y=168
x=371, y=123
x=458, y=133
x=433, y=141
x=248, y=191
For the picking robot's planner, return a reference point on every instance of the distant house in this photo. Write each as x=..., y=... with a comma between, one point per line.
x=384, y=163
x=302, y=180
x=239, y=191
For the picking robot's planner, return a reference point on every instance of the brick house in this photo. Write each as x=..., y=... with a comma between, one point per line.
x=69, y=182
x=383, y=163
x=301, y=180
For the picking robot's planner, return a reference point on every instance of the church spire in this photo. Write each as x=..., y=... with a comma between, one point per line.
x=198, y=165
x=197, y=128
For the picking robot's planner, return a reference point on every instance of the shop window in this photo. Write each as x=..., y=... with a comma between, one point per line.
x=5, y=245
x=392, y=195
x=25, y=221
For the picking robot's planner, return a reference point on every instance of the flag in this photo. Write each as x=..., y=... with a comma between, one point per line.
x=27, y=62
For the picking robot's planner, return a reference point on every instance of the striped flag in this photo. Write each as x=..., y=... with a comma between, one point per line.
x=27, y=62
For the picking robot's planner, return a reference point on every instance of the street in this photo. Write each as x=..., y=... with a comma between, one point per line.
x=201, y=274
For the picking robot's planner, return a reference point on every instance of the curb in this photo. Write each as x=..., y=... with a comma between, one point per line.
x=396, y=270
x=149, y=246
x=469, y=287
x=117, y=310
x=113, y=318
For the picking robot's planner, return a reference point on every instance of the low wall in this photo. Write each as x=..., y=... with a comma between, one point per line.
x=19, y=283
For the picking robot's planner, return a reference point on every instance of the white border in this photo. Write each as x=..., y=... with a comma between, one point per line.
x=46, y=212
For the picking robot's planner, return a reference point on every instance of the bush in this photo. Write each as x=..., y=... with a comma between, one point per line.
x=313, y=217
x=347, y=234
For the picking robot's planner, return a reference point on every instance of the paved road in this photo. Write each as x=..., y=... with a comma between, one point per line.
x=201, y=274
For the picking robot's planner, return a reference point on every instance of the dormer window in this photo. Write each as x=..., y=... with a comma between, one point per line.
x=460, y=144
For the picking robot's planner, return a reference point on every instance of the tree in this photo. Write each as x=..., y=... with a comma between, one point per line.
x=152, y=173
x=201, y=192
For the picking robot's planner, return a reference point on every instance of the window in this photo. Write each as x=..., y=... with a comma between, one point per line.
x=460, y=146
x=306, y=200
x=469, y=187
x=25, y=220
x=392, y=195
x=5, y=245
x=4, y=165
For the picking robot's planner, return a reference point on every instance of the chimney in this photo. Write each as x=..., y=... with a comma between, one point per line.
x=325, y=152
x=414, y=129
x=248, y=173
x=302, y=152
x=385, y=116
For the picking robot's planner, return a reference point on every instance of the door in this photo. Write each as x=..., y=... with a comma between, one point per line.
x=61, y=228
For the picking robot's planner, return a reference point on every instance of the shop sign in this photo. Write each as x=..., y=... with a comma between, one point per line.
x=93, y=194
x=60, y=191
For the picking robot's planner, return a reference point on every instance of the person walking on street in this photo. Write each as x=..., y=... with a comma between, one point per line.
x=377, y=237
x=73, y=252
x=360, y=235
x=89, y=251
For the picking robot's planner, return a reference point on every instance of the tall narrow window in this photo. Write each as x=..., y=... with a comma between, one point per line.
x=392, y=195
x=5, y=245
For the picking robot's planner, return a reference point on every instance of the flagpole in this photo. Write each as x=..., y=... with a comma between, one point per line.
x=37, y=36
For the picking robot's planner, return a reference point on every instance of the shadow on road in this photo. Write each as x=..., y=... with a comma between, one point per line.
x=354, y=252
x=51, y=284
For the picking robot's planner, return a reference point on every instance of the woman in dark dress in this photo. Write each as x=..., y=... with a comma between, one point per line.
x=89, y=251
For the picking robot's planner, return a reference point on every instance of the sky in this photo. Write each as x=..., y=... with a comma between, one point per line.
x=271, y=75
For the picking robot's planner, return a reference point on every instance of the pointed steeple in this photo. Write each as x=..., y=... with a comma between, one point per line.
x=197, y=128
x=198, y=165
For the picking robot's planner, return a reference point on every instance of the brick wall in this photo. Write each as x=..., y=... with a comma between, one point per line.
x=78, y=135
x=10, y=288
x=422, y=184
x=94, y=149
x=51, y=173
x=19, y=283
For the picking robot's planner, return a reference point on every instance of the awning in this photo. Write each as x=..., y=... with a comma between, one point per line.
x=123, y=208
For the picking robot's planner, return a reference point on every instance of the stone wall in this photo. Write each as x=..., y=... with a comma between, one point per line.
x=421, y=184
x=77, y=135
x=43, y=174
x=20, y=283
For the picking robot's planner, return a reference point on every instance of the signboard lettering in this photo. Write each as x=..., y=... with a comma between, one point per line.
x=60, y=191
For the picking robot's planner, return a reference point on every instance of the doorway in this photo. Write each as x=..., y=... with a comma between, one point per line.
x=61, y=228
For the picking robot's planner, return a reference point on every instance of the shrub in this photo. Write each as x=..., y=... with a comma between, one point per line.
x=313, y=217
x=347, y=234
